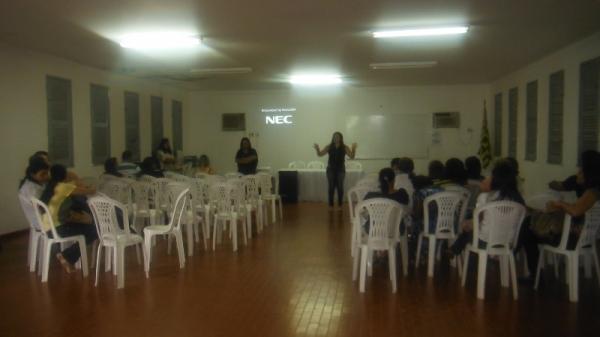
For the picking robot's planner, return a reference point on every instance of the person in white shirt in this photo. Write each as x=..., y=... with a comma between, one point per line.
x=403, y=167
x=127, y=167
x=32, y=186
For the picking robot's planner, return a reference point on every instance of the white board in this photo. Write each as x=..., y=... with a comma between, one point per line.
x=386, y=136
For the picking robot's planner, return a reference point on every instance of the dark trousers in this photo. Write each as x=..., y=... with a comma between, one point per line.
x=72, y=253
x=335, y=178
x=462, y=240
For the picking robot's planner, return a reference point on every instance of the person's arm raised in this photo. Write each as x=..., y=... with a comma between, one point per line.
x=320, y=152
x=351, y=152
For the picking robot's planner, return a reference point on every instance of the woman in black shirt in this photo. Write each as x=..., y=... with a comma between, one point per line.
x=246, y=157
x=336, y=169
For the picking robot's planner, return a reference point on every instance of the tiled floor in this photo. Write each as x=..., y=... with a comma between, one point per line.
x=293, y=280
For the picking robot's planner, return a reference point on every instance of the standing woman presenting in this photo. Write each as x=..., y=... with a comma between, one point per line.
x=246, y=158
x=336, y=169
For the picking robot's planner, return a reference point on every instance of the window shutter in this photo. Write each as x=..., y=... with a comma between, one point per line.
x=513, y=96
x=498, y=125
x=132, y=124
x=589, y=110
x=60, y=120
x=156, y=110
x=100, y=115
x=177, y=123
x=531, y=125
x=555, y=117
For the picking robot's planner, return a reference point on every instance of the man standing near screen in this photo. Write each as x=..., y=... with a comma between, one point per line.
x=246, y=158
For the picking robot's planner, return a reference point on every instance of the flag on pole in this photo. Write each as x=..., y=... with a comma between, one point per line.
x=485, y=151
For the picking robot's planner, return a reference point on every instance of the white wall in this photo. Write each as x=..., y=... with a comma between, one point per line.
x=320, y=112
x=537, y=174
x=23, y=117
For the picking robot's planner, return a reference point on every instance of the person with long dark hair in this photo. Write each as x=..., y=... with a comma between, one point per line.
x=165, y=155
x=32, y=186
x=336, y=168
x=387, y=190
x=69, y=217
x=503, y=187
x=204, y=165
x=246, y=157
x=151, y=167
x=473, y=167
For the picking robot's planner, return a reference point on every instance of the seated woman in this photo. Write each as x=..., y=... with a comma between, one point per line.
x=110, y=167
x=204, y=165
x=503, y=187
x=69, y=217
x=386, y=184
x=165, y=155
x=32, y=186
x=150, y=167
x=546, y=228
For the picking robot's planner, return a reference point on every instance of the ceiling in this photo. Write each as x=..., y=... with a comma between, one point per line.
x=279, y=37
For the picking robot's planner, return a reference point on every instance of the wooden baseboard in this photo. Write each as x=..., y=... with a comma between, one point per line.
x=14, y=234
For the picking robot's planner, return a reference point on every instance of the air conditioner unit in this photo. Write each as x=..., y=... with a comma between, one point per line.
x=234, y=122
x=446, y=120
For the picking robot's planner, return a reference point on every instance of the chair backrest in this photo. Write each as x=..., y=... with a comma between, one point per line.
x=265, y=181
x=384, y=216
x=199, y=192
x=220, y=196
x=42, y=213
x=201, y=175
x=143, y=194
x=504, y=219
x=315, y=165
x=215, y=179
x=540, y=200
x=298, y=164
x=448, y=205
x=178, y=197
x=29, y=212
x=252, y=186
x=589, y=232
x=237, y=193
x=105, y=215
x=353, y=165
x=355, y=196
x=465, y=194
x=233, y=175
x=117, y=189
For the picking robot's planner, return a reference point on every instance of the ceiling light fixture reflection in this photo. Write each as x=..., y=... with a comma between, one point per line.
x=403, y=65
x=221, y=71
x=315, y=79
x=155, y=41
x=438, y=31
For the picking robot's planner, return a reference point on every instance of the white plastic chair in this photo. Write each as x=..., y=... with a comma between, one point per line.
x=253, y=199
x=448, y=206
x=539, y=201
x=315, y=165
x=41, y=211
x=142, y=208
x=298, y=164
x=172, y=228
x=227, y=203
x=199, y=194
x=355, y=196
x=353, y=165
x=368, y=182
x=35, y=235
x=233, y=175
x=190, y=218
x=111, y=236
x=586, y=247
x=384, y=224
x=269, y=195
x=504, y=219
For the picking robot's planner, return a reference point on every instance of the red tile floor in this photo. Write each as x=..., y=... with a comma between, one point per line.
x=292, y=280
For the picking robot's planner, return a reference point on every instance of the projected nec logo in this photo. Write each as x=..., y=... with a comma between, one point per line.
x=287, y=119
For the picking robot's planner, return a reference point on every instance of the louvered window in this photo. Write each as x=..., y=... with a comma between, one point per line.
x=555, y=117
x=531, y=125
x=60, y=121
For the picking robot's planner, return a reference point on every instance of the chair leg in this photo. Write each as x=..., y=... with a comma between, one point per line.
x=504, y=271
x=596, y=264
x=98, y=258
x=574, y=277
x=180, y=251
x=481, y=271
x=83, y=258
x=107, y=260
x=465, y=267
x=233, y=224
x=190, y=238
x=196, y=231
x=41, y=258
x=513, y=273
x=355, y=261
x=249, y=222
x=364, y=252
x=33, y=249
x=46, y=265
x=115, y=260
x=393, y=274
x=147, y=248
x=353, y=239
x=404, y=252
x=419, y=243
x=431, y=256
x=215, y=225
x=273, y=211
x=120, y=266
x=540, y=265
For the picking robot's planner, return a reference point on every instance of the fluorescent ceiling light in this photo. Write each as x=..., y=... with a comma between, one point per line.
x=225, y=71
x=421, y=32
x=403, y=65
x=152, y=41
x=327, y=79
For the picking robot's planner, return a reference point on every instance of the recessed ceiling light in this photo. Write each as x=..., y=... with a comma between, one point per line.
x=403, y=65
x=153, y=41
x=224, y=71
x=316, y=79
x=433, y=31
